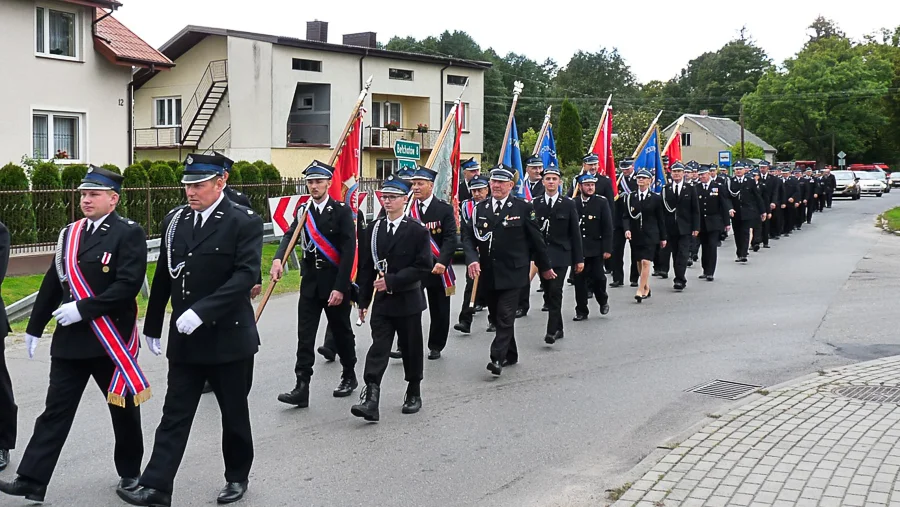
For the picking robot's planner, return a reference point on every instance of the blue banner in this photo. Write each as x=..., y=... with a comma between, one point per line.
x=512, y=159
x=650, y=158
x=548, y=149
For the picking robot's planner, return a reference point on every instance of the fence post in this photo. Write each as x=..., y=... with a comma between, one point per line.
x=149, y=213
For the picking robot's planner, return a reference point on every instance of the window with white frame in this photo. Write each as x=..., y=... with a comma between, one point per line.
x=463, y=113
x=168, y=111
x=385, y=167
x=306, y=103
x=56, y=33
x=56, y=135
x=384, y=113
x=685, y=138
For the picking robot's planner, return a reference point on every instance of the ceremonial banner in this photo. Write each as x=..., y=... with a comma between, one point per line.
x=548, y=149
x=603, y=147
x=673, y=147
x=512, y=159
x=345, y=183
x=649, y=158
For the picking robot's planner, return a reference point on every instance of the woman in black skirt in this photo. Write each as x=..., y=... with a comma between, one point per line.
x=645, y=229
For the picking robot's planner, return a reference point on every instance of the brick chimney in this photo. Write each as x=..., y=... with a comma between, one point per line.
x=317, y=31
x=364, y=39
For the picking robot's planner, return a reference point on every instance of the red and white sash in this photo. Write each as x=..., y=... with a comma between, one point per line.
x=128, y=377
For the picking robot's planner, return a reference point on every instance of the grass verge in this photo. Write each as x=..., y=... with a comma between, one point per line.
x=891, y=218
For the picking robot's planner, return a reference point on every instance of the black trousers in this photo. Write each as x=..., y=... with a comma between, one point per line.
x=709, y=245
x=676, y=253
x=742, y=237
x=408, y=329
x=800, y=217
x=823, y=199
x=8, y=409
x=695, y=247
x=553, y=296
x=787, y=216
x=829, y=195
x=439, y=310
x=502, y=305
x=618, y=255
x=309, y=311
x=593, y=276
x=231, y=383
x=811, y=209
x=524, y=302
x=68, y=378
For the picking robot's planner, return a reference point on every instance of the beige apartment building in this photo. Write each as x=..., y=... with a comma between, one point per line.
x=68, y=92
x=286, y=100
x=704, y=136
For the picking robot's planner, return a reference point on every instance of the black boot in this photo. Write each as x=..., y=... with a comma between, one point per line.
x=299, y=396
x=4, y=459
x=367, y=408
x=22, y=486
x=347, y=385
x=463, y=327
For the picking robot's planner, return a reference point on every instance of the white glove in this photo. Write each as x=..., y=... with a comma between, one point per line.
x=154, y=345
x=188, y=322
x=67, y=314
x=31, y=342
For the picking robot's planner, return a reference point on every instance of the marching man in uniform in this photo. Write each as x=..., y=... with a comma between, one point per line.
x=209, y=260
x=499, y=246
x=682, y=224
x=395, y=257
x=715, y=220
x=479, y=188
x=100, y=264
x=440, y=221
x=596, y=237
x=328, y=241
x=8, y=409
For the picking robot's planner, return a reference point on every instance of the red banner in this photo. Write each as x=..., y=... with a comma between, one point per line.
x=673, y=151
x=603, y=149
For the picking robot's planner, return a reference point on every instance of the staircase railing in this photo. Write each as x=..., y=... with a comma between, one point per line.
x=216, y=72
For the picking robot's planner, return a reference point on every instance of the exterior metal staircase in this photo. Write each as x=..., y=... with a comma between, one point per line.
x=204, y=102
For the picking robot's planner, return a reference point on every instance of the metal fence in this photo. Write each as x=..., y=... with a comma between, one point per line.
x=35, y=217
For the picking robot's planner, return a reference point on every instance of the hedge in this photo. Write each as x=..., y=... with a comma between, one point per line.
x=18, y=213
x=161, y=175
x=50, y=212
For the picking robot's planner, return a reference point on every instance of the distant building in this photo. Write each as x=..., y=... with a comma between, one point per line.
x=67, y=84
x=286, y=100
x=703, y=137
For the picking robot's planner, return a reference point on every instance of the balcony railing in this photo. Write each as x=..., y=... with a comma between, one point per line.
x=383, y=138
x=158, y=137
x=308, y=134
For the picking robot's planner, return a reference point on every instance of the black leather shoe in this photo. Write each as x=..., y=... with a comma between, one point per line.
x=737, y=260
x=695, y=258
x=411, y=404
x=207, y=388
x=495, y=367
x=690, y=263
x=709, y=278
x=550, y=338
x=679, y=286
x=590, y=294
x=766, y=246
x=521, y=313
x=127, y=484
x=604, y=309
x=664, y=276
x=4, y=459
x=396, y=354
x=755, y=248
x=31, y=490
x=327, y=353
x=462, y=327
x=232, y=492
x=507, y=362
x=545, y=308
x=579, y=317
x=634, y=284
x=743, y=259
x=299, y=396
x=147, y=497
x=434, y=354
x=367, y=408
x=479, y=308
x=702, y=277
x=346, y=387
x=491, y=328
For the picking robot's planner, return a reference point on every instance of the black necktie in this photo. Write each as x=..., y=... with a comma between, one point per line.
x=198, y=224
x=391, y=229
x=677, y=190
x=90, y=230
x=497, y=206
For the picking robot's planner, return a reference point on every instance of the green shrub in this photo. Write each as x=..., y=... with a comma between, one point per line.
x=173, y=164
x=73, y=174
x=234, y=175
x=15, y=209
x=146, y=164
x=50, y=208
x=134, y=202
x=112, y=168
x=162, y=200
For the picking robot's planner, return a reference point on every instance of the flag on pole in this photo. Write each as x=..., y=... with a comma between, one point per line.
x=603, y=149
x=446, y=162
x=673, y=148
x=649, y=158
x=512, y=159
x=345, y=183
x=548, y=149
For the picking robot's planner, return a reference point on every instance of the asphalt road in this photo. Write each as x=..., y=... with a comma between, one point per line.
x=566, y=423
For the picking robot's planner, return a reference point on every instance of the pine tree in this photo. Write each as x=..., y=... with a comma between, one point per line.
x=569, y=141
x=50, y=212
x=162, y=200
x=15, y=209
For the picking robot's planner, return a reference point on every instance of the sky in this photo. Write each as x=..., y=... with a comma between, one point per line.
x=656, y=38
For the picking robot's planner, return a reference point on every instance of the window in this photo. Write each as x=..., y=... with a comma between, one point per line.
x=464, y=113
x=56, y=135
x=305, y=103
x=168, y=111
x=307, y=65
x=55, y=33
x=384, y=168
x=457, y=80
x=685, y=138
x=387, y=112
x=400, y=74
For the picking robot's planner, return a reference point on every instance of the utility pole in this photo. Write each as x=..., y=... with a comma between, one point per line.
x=742, y=130
x=832, y=148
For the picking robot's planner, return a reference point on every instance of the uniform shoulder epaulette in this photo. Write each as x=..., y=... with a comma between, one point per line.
x=243, y=209
x=176, y=208
x=341, y=203
x=128, y=221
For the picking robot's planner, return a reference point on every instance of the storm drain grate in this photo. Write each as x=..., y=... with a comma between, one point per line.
x=724, y=389
x=870, y=393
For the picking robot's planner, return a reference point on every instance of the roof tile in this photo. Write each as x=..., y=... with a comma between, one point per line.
x=124, y=45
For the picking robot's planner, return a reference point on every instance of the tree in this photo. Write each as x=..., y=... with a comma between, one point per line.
x=73, y=174
x=16, y=209
x=589, y=78
x=629, y=127
x=527, y=142
x=831, y=90
x=569, y=142
x=49, y=210
x=824, y=28
x=135, y=201
x=162, y=200
x=750, y=151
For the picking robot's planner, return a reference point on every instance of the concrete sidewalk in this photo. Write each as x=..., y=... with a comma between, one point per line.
x=829, y=440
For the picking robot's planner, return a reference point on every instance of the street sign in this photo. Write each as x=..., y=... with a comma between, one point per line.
x=842, y=155
x=407, y=149
x=725, y=158
x=842, y=162
x=403, y=163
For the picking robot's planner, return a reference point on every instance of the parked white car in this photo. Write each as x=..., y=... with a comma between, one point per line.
x=869, y=184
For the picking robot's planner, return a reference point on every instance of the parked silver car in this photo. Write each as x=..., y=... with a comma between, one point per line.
x=869, y=183
x=845, y=184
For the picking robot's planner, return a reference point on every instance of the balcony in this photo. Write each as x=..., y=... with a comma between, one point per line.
x=380, y=138
x=158, y=137
x=308, y=135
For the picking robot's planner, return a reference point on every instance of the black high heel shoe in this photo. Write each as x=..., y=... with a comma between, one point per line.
x=638, y=298
x=648, y=294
